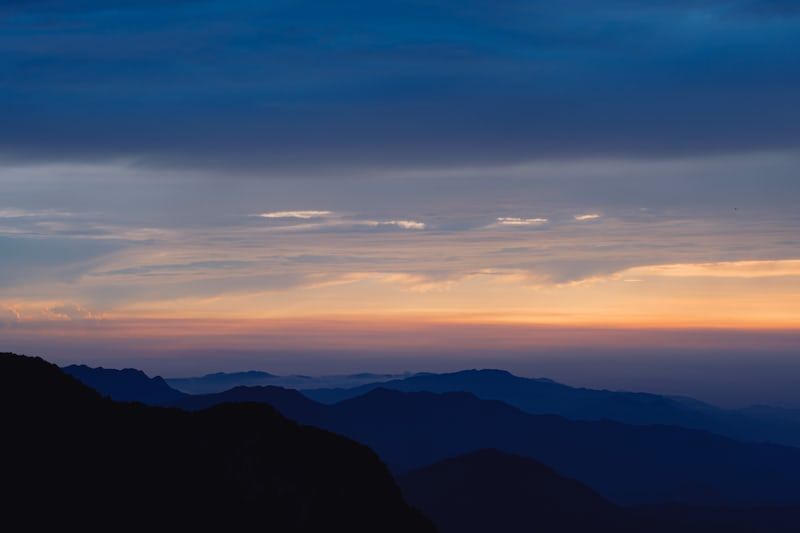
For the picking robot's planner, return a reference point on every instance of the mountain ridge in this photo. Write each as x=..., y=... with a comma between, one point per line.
x=124, y=385
x=544, y=396
x=222, y=381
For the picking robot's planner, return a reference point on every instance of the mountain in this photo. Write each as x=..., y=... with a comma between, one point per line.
x=627, y=464
x=287, y=401
x=128, y=385
x=690, y=519
x=488, y=490
x=75, y=458
x=222, y=381
x=542, y=396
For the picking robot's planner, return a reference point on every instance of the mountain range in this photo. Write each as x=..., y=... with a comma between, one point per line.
x=628, y=464
x=77, y=460
x=543, y=396
x=222, y=381
x=534, y=396
x=467, y=461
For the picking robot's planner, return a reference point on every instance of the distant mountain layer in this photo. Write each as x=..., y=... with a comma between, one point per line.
x=541, y=396
x=222, y=381
x=83, y=461
x=128, y=385
x=627, y=464
x=493, y=491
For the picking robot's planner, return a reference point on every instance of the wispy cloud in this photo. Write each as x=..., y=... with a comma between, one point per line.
x=13, y=212
x=331, y=221
x=587, y=216
x=8, y=314
x=517, y=221
x=725, y=269
x=70, y=311
x=413, y=282
x=295, y=214
x=405, y=224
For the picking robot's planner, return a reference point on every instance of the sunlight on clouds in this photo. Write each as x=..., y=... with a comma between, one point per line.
x=517, y=221
x=411, y=282
x=295, y=214
x=405, y=224
x=638, y=297
x=42, y=312
x=336, y=220
x=728, y=269
x=8, y=314
x=70, y=311
x=372, y=254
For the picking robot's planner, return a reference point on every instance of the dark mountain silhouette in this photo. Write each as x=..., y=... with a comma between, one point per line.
x=128, y=385
x=542, y=396
x=489, y=490
x=626, y=463
x=689, y=519
x=79, y=460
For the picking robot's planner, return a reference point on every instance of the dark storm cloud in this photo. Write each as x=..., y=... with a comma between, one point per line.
x=322, y=87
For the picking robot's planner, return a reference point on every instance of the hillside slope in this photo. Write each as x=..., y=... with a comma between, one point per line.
x=87, y=461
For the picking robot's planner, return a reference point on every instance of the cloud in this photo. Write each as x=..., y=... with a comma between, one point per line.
x=517, y=221
x=8, y=315
x=173, y=269
x=305, y=215
x=31, y=260
x=417, y=282
x=70, y=311
x=12, y=212
x=404, y=224
x=276, y=89
x=327, y=221
x=586, y=217
x=566, y=273
x=725, y=269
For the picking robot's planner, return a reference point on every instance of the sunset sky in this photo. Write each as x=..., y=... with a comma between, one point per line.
x=398, y=182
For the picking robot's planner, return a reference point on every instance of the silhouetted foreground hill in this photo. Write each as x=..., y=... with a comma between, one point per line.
x=543, y=396
x=489, y=490
x=493, y=491
x=627, y=464
x=128, y=385
x=75, y=459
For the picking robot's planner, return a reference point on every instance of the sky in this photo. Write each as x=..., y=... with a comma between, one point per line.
x=602, y=191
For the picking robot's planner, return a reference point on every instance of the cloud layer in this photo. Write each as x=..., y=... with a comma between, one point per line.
x=310, y=87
